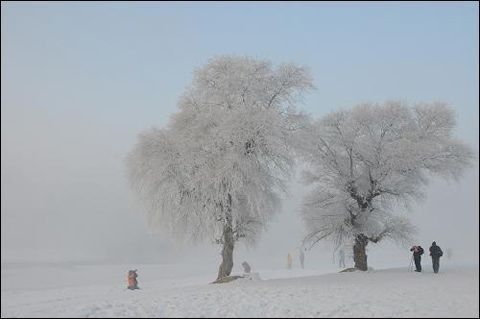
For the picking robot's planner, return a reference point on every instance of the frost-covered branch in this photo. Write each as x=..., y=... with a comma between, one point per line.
x=365, y=161
x=217, y=170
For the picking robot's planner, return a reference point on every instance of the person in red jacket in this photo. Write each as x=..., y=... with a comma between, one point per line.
x=132, y=279
x=417, y=257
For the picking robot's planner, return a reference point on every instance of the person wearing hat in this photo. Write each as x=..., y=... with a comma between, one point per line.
x=436, y=252
x=417, y=257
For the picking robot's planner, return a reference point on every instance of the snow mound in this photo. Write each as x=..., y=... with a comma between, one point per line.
x=253, y=276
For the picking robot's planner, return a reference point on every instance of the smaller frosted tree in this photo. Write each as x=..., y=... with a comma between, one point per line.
x=365, y=161
x=217, y=170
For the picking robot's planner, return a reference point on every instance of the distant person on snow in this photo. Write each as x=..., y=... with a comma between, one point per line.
x=302, y=258
x=132, y=280
x=248, y=274
x=246, y=267
x=417, y=257
x=436, y=252
x=341, y=258
x=289, y=261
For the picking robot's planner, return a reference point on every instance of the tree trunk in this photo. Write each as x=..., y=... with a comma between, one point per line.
x=227, y=253
x=359, y=252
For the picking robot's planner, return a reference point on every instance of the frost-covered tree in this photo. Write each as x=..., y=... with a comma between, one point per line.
x=217, y=170
x=365, y=161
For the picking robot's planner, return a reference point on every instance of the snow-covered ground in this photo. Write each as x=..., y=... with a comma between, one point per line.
x=183, y=290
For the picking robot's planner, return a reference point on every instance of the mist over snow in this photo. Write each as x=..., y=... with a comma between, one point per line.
x=81, y=81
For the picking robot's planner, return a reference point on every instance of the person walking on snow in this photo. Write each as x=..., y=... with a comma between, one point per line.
x=436, y=252
x=302, y=258
x=417, y=257
x=289, y=261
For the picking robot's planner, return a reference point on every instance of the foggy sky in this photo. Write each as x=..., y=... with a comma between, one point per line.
x=80, y=81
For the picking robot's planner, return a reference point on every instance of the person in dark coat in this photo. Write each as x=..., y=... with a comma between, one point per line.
x=246, y=267
x=302, y=258
x=417, y=257
x=436, y=252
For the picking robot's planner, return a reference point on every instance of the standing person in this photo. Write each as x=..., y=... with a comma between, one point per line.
x=289, y=261
x=436, y=252
x=302, y=258
x=341, y=258
x=417, y=257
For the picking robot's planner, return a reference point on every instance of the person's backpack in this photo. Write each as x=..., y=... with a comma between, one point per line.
x=437, y=251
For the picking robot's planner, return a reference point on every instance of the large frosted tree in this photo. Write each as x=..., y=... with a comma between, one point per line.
x=366, y=161
x=217, y=170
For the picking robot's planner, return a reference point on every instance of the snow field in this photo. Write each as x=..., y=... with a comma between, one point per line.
x=382, y=293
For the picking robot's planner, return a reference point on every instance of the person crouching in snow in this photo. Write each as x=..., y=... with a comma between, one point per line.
x=246, y=267
x=417, y=257
x=132, y=280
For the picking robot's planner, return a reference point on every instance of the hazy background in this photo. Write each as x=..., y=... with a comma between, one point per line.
x=80, y=80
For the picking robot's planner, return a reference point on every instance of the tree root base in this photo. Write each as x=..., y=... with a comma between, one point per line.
x=349, y=270
x=226, y=279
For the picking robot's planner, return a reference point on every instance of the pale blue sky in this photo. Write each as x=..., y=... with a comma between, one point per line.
x=135, y=59
x=80, y=80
